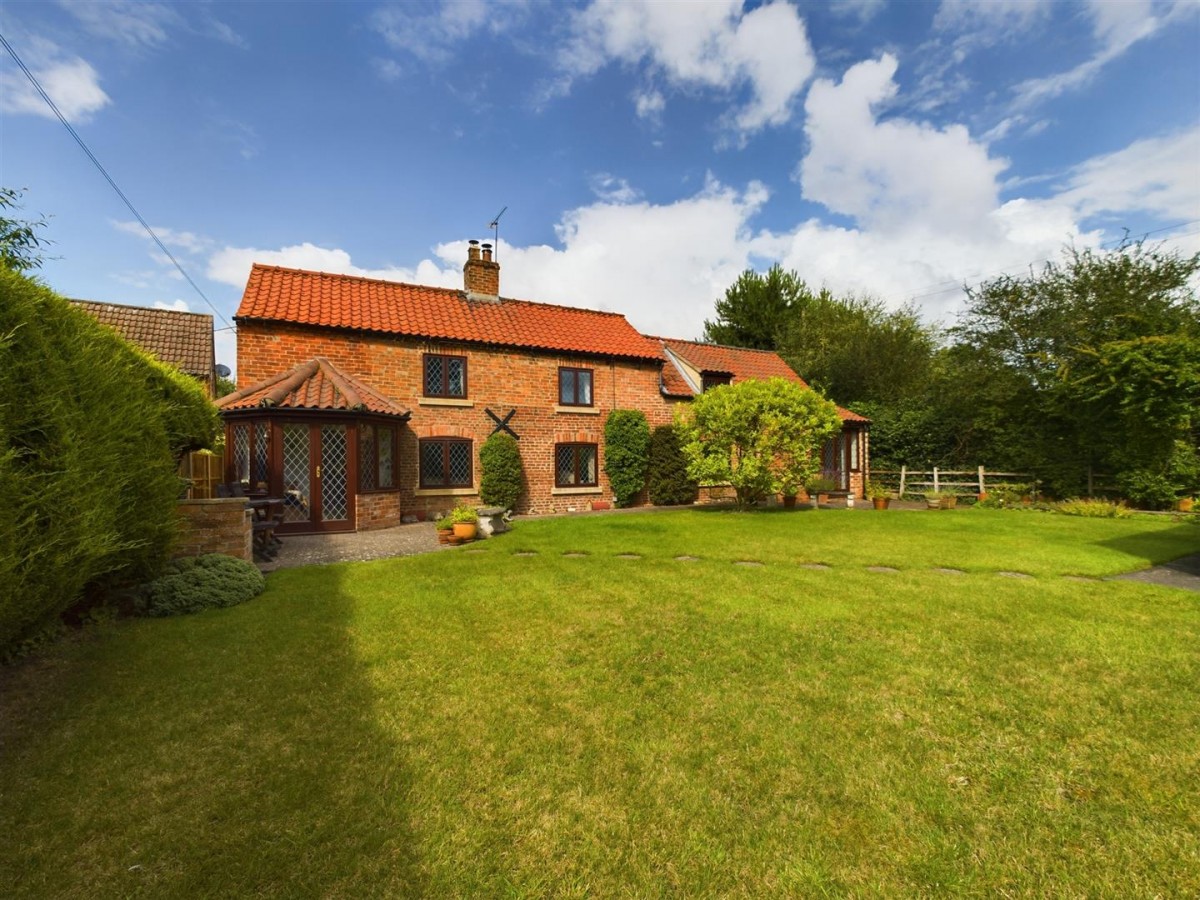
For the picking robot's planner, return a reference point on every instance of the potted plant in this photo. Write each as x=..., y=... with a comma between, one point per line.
x=949, y=500
x=445, y=528
x=788, y=490
x=878, y=494
x=466, y=523
x=818, y=488
x=933, y=500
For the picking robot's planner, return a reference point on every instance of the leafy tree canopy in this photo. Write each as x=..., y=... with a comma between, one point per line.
x=20, y=243
x=755, y=309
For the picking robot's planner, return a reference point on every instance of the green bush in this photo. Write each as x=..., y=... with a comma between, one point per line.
x=1093, y=509
x=667, y=478
x=501, y=481
x=820, y=485
x=626, y=453
x=464, y=515
x=90, y=433
x=200, y=582
x=1147, y=489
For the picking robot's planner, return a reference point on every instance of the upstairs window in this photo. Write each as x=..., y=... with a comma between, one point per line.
x=445, y=376
x=574, y=387
x=575, y=465
x=710, y=380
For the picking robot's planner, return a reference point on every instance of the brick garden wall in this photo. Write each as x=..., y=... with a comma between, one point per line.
x=499, y=379
x=215, y=526
x=378, y=510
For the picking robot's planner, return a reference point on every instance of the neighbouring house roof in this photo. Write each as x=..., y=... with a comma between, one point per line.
x=316, y=385
x=740, y=363
x=276, y=294
x=183, y=339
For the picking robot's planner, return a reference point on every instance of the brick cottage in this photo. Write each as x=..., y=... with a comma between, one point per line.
x=361, y=401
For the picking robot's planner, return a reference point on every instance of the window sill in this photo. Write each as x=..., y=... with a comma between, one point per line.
x=578, y=410
x=384, y=490
x=568, y=491
x=444, y=492
x=445, y=401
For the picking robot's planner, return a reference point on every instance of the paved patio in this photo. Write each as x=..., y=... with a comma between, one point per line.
x=320, y=549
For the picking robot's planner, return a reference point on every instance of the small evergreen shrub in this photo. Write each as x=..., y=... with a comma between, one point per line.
x=464, y=515
x=667, y=478
x=626, y=453
x=200, y=582
x=1147, y=489
x=1093, y=509
x=501, y=481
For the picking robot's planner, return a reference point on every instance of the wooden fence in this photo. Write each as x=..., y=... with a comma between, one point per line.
x=204, y=471
x=978, y=480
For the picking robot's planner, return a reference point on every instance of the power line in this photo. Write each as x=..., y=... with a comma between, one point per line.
x=120, y=193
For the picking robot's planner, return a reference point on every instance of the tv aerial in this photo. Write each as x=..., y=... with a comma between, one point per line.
x=495, y=226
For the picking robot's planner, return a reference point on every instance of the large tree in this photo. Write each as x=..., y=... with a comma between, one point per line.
x=761, y=437
x=755, y=309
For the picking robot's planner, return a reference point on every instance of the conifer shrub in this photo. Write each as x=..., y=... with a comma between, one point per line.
x=200, y=582
x=91, y=430
x=626, y=453
x=667, y=478
x=501, y=479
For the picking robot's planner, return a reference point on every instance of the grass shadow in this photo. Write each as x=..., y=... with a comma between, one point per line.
x=236, y=752
x=1151, y=548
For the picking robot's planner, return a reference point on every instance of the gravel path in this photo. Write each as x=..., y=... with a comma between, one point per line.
x=320, y=549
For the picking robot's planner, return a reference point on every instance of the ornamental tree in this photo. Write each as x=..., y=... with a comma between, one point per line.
x=626, y=453
x=761, y=437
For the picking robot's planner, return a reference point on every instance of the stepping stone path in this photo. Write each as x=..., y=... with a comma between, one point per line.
x=882, y=570
x=687, y=558
x=574, y=555
x=818, y=566
x=629, y=556
x=749, y=562
x=1013, y=575
x=525, y=553
x=946, y=571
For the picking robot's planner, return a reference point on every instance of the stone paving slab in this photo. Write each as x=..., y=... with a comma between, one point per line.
x=321, y=549
x=1182, y=573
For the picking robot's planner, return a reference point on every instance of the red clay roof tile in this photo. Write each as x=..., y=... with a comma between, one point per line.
x=277, y=294
x=314, y=385
x=183, y=339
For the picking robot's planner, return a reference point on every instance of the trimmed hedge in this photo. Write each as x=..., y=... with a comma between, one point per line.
x=501, y=481
x=91, y=430
x=200, y=582
x=667, y=479
x=626, y=453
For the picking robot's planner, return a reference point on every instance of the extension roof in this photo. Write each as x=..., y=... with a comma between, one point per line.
x=316, y=385
x=277, y=294
x=740, y=363
x=183, y=339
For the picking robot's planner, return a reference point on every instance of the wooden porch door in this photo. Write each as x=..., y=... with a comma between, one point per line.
x=317, y=475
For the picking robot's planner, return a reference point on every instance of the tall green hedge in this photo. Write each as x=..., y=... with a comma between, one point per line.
x=626, y=453
x=668, y=482
x=91, y=430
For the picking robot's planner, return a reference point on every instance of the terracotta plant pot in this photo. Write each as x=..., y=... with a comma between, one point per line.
x=949, y=502
x=1184, y=504
x=465, y=531
x=881, y=502
x=444, y=535
x=789, y=502
x=981, y=496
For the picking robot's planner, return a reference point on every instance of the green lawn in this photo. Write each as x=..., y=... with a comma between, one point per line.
x=489, y=724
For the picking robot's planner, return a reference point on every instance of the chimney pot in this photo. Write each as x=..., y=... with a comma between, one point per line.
x=472, y=250
x=487, y=252
x=481, y=276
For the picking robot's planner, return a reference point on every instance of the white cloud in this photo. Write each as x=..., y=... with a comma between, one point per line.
x=69, y=81
x=612, y=189
x=999, y=18
x=124, y=21
x=890, y=174
x=714, y=45
x=432, y=36
x=231, y=265
x=183, y=240
x=649, y=104
x=175, y=306
x=863, y=10
x=1159, y=175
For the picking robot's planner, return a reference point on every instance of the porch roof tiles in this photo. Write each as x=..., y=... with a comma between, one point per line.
x=316, y=385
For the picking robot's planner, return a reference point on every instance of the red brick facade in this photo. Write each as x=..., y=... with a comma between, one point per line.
x=215, y=526
x=498, y=378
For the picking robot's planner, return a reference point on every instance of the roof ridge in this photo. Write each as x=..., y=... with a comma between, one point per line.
x=719, y=346
x=461, y=294
x=153, y=309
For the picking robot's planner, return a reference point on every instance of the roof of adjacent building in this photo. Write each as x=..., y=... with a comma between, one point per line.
x=316, y=385
x=183, y=339
x=277, y=294
x=740, y=363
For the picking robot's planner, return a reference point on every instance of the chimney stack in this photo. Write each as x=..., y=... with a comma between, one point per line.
x=481, y=276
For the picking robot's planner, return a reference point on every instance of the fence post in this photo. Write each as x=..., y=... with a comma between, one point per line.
x=936, y=485
x=982, y=486
x=1091, y=484
x=903, y=474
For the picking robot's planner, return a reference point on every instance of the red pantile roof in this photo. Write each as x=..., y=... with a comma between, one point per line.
x=183, y=339
x=276, y=294
x=717, y=359
x=315, y=385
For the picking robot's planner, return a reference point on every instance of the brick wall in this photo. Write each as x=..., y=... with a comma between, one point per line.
x=215, y=526
x=378, y=510
x=499, y=379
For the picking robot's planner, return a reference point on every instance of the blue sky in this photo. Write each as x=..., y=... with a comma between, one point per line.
x=647, y=152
